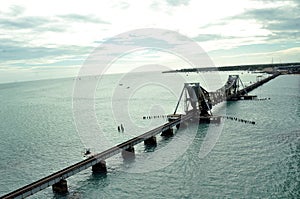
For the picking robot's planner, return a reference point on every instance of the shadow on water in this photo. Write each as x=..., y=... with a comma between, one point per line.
x=202, y=130
x=169, y=138
x=129, y=159
x=150, y=148
x=60, y=196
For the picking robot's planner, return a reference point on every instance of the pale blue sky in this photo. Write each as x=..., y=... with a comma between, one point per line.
x=49, y=39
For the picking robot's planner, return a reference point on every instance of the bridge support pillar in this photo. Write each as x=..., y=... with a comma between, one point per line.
x=167, y=133
x=210, y=119
x=128, y=153
x=100, y=167
x=181, y=125
x=60, y=187
x=150, y=141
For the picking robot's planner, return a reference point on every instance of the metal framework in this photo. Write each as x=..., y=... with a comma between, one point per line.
x=196, y=99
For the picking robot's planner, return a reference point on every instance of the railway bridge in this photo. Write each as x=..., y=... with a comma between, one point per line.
x=197, y=106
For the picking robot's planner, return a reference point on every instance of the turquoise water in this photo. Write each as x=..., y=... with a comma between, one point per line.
x=38, y=137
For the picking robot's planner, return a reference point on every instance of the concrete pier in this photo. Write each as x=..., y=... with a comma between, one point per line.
x=150, y=142
x=60, y=187
x=100, y=167
x=248, y=97
x=167, y=133
x=128, y=153
x=210, y=119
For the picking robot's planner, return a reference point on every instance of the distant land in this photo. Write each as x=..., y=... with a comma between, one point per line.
x=289, y=68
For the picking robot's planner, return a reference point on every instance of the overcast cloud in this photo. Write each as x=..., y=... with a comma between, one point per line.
x=37, y=35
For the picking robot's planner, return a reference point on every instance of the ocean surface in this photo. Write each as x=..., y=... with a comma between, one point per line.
x=41, y=134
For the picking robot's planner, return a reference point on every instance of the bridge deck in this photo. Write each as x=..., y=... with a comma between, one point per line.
x=217, y=97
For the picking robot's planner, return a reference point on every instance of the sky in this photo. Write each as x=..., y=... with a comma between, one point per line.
x=52, y=39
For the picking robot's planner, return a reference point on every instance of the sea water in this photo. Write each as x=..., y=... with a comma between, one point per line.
x=40, y=135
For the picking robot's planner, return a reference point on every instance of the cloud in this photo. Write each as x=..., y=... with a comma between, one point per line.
x=178, y=2
x=210, y=37
x=32, y=23
x=295, y=50
x=14, y=53
x=282, y=21
x=151, y=41
x=82, y=18
x=12, y=11
x=16, y=10
x=39, y=24
x=43, y=33
x=23, y=23
x=265, y=22
x=122, y=5
x=14, y=19
x=283, y=18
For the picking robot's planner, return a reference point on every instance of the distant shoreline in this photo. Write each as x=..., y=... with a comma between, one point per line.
x=293, y=68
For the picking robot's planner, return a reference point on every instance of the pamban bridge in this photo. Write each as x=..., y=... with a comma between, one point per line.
x=198, y=103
